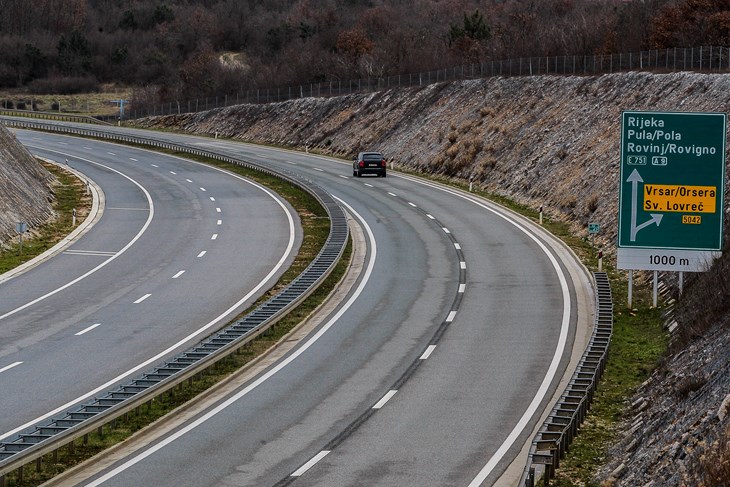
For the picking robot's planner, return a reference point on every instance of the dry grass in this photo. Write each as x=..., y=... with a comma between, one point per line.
x=83, y=104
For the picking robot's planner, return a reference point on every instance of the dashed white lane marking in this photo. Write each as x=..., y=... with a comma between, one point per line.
x=385, y=399
x=133, y=159
x=142, y=298
x=173, y=173
x=450, y=318
x=318, y=169
x=462, y=264
x=412, y=204
x=292, y=163
x=111, y=153
x=214, y=237
x=458, y=247
x=462, y=288
x=311, y=463
x=368, y=185
x=218, y=210
x=8, y=367
x=431, y=217
x=428, y=352
x=445, y=229
x=189, y=180
x=180, y=273
x=155, y=165
x=202, y=253
x=63, y=143
x=86, y=330
x=212, y=199
x=392, y=194
x=87, y=148
x=344, y=177
x=203, y=190
x=219, y=222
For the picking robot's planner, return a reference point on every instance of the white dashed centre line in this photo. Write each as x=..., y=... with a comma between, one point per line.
x=218, y=210
x=462, y=288
x=202, y=189
x=462, y=264
x=412, y=204
x=212, y=199
x=189, y=180
x=344, y=177
x=155, y=165
x=87, y=148
x=458, y=247
x=318, y=169
x=142, y=298
x=202, y=253
x=86, y=330
x=173, y=173
x=111, y=153
x=431, y=217
x=219, y=222
x=292, y=163
x=214, y=237
x=446, y=230
x=451, y=317
x=8, y=367
x=133, y=159
x=392, y=194
x=428, y=352
x=311, y=463
x=178, y=274
x=385, y=399
x=368, y=185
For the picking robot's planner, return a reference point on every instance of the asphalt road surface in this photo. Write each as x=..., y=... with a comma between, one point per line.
x=433, y=371
x=179, y=249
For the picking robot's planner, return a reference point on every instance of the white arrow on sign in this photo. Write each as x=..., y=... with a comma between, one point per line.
x=635, y=179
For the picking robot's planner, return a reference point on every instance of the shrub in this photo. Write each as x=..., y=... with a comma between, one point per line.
x=64, y=85
x=7, y=104
x=20, y=105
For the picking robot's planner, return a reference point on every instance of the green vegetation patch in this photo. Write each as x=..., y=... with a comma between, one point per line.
x=70, y=193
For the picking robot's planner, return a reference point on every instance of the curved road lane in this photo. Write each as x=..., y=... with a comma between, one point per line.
x=180, y=249
x=471, y=403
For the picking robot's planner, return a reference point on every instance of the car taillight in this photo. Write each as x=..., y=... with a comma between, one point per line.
x=362, y=164
x=383, y=163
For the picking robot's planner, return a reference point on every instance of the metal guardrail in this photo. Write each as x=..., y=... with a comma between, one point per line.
x=58, y=116
x=91, y=416
x=561, y=426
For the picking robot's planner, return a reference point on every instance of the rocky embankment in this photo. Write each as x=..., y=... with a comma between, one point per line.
x=25, y=188
x=543, y=141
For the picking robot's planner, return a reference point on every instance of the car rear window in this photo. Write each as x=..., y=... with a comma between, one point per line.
x=372, y=157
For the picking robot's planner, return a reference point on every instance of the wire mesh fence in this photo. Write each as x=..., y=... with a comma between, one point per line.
x=702, y=59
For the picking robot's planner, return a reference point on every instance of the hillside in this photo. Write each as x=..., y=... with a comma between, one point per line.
x=551, y=141
x=25, y=191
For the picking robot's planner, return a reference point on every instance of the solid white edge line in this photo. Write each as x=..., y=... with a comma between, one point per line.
x=142, y=298
x=559, y=349
x=384, y=400
x=450, y=318
x=180, y=273
x=202, y=253
x=86, y=330
x=195, y=334
x=311, y=463
x=264, y=377
x=8, y=367
x=428, y=352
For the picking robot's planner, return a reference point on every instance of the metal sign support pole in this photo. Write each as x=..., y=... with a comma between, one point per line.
x=656, y=288
x=631, y=286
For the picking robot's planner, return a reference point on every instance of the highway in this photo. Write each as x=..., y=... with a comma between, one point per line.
x=178, y=249
x=432, y=371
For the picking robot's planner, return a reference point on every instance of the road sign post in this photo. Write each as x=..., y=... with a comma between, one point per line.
x=20, y=229
x=671, y=200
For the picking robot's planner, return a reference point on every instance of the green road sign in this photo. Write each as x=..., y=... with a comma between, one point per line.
x=594, y=228
x=671, y=190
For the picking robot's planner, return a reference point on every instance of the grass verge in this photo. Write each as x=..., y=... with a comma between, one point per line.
x=70, y=193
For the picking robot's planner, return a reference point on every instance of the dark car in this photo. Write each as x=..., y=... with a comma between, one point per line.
x=369, y=163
